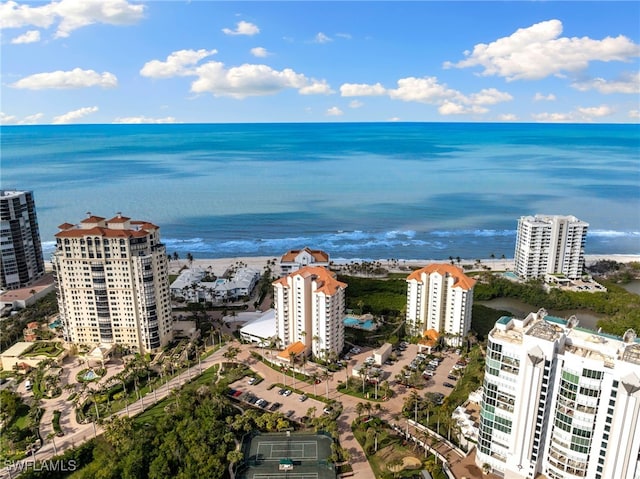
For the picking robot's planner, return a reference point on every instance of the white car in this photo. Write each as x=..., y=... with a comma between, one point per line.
x=287, y=392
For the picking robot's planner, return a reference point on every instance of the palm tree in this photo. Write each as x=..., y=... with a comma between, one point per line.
x=360, y=409
x=292, y=361
x=368, y=407
x=314, y=377
x=326, y=376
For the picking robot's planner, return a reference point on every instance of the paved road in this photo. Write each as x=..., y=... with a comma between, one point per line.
x=461, y=466
x=83, y=432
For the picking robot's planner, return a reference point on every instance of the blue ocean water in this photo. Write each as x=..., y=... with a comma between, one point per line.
x=372, y=190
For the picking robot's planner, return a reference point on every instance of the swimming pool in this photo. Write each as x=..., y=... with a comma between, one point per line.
x=510, y=275
x=352, y=322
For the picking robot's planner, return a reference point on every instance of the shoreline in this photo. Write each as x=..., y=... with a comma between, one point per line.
x=218, y=266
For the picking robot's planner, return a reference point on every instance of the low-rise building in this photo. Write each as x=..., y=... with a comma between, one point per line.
x=295, y=259
x=381, y=354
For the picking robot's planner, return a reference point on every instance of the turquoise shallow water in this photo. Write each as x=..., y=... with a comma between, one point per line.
x=375, y=190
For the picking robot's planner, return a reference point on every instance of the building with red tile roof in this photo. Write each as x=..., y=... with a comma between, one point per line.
x=113, y=283
x=310, y=309
x=440, y=297
x=295, y=259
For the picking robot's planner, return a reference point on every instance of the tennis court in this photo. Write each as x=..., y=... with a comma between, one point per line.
x=290, y=456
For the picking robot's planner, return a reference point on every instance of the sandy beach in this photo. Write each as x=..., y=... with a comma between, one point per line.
x=218, y=266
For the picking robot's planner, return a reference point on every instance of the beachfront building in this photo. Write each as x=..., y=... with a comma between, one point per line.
x=21, y=262
x=560, y=401
x=310, y=310
x=440, y=298
x=113, y=284
x=193, y=286
x=295, y=259
x=547, y=244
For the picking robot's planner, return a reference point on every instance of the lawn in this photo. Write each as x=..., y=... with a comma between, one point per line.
x=49, y=348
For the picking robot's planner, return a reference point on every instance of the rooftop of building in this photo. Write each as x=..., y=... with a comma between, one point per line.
x=117, y=227
x=318, y=255
x=325, y=279
x=462, y=280
x=582, y=342
x=12, y=193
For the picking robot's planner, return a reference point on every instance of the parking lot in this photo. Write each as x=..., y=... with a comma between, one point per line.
x=292, y=404
x=435, y=384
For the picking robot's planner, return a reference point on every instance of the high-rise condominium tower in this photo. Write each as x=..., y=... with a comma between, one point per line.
x=113, y=284
x=21, y=260
x=310, y=308
x=560, y=400
x=550, y=245
x=440, y=297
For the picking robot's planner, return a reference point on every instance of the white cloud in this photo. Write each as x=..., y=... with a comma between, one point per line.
x=176, y=64
x=489, y=96
x=71, y=14
x=423, y=90
x=553, y=117
x=430, y=91
x=316, y=88
x=144, y=119
x=31, y=36
x=394, y=119
x=14, y=120
x=452, y=108
x=362, y=89
x=596, y=111
x=76, y=78
x=355, y=104
x=260, y=52
x=334, y=111
x=243, y=28
x=14, y=15
x=74, y=115
x=6, y=119
x=507, y=117
x=541, y=97
x=322, y=38
x=346, y=36
x=237, y=82
x=538, y=51
x=634, y=114
x=629, y=84
x=31, y=119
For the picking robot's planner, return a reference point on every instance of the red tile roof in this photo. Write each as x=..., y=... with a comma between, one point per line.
x=103, y=232
x=462, y=280
x=295, y=348
x=317, y=254
x=327, y=283
x=118, y=219
x=92, y=219
x=65, y=226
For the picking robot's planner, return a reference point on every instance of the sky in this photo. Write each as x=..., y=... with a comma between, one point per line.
x=119, y=61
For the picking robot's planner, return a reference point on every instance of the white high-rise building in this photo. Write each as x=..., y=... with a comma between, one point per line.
x=440, y=297
x=560, y=400
x=113, y=283
x=548, y=244
x=21, y=261
x=310, y=309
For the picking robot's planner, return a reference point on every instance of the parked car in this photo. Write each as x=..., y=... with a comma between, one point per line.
x=290, y=413
x=282, y=391
x=252, y=380
x=328, y=410
x=287, y=392
x=452, y=377
x=448, y=385
x=303, y=398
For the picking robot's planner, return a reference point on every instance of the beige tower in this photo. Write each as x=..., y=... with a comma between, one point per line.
x=113, y=284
